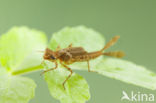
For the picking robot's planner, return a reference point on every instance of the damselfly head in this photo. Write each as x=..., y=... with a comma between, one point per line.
x=49, y=55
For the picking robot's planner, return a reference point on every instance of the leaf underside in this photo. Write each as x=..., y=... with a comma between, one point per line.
x=18, y=54
x=76, y=88
x=16, y=89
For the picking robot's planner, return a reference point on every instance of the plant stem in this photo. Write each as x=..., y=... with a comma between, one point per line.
x=23, y=71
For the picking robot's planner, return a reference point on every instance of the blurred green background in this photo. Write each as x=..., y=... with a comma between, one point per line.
x=133, y=20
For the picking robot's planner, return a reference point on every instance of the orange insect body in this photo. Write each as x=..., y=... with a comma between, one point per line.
x=71, y=54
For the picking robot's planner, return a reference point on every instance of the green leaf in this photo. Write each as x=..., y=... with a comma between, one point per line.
x=127, y=72
x=111, y=67
x=19, y=49
x=78, y=36
x=76, y=88
x=19, y=54
x=15, y=89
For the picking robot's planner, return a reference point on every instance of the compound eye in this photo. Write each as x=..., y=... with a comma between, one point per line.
x=52, y=57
